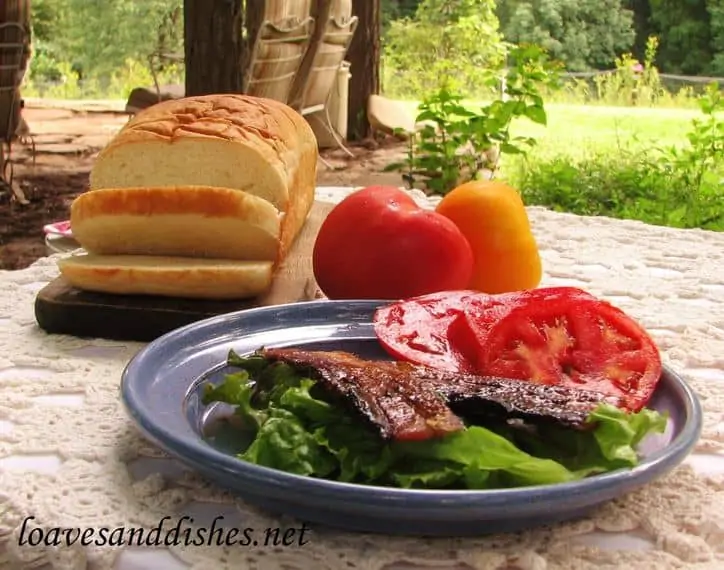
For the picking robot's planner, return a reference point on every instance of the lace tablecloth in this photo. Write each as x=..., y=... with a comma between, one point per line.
x=70, y=458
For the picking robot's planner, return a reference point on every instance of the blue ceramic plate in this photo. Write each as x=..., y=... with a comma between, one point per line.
x=161, y=390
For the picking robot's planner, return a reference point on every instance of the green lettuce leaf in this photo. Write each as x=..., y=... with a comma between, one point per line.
x=618, y=433
x=238, y=390
x=297, y=429
x=358, y=450
x=477, y=451
x=284, y=443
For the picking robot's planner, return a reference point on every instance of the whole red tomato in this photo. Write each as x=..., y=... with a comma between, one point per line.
x=379, y=244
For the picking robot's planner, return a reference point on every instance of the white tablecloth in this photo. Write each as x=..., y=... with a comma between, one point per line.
x=70, y=458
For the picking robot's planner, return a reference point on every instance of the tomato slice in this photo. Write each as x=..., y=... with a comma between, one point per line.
x=574, y=340
x=555, y=335
x=430, y=329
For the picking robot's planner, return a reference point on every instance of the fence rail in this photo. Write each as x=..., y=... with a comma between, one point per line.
x=669, y=76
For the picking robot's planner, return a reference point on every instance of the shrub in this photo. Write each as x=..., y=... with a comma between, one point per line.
x=631, y=84
x=449, y=44
x=458, y=144
x=116, y=86
x=678, y=186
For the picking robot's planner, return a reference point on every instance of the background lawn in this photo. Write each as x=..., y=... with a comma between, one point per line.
x=574, y=129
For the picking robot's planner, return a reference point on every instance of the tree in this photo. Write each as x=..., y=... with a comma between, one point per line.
x=642, y=25
x=684, y=30
x=364, y=58
x=213, y=46
x=391, y=10
x=583, y=34
x=98, y=37
x=253, y=19
x=716, y=15
x=449, y=43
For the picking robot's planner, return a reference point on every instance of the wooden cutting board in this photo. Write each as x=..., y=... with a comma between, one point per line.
x=63, y=309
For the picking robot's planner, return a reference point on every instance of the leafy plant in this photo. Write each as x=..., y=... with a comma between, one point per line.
x=457, y=144
x=97, y=49
x=678, y=185
x=448, y=44
x=696, y=170
x=632, y=82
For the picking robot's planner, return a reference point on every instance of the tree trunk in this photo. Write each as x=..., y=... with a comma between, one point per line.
x=364, y=57
x=11, y=75
x=213, y=46
x=253, y=18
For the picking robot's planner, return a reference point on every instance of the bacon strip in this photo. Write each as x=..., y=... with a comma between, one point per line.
x=410, y=402
x=384, y=393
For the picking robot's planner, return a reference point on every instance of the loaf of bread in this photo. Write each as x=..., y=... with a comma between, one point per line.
x=243, y=143
x=195, y=185
x=167, y=276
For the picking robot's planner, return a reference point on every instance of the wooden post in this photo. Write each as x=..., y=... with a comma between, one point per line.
x=15, y=32
x=364, y=58
x=213, y=46
x=320, y=12
x=254, y=11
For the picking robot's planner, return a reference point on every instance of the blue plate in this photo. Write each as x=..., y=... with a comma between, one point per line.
x=161, y=389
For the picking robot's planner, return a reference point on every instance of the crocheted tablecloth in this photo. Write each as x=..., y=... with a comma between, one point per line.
x=70, y=458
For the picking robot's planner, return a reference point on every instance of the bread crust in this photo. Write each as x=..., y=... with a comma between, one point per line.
x=206, y=201
x=303, y=182
x=169, y=277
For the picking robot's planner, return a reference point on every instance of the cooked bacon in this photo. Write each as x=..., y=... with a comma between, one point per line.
x=410, y=402
x=387, y=395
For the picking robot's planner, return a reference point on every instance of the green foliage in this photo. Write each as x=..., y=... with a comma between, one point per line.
x=632, y=82
x=692, y=35
x=396, y=9
x=677, y=186
x=457, y=144
x=583, y=34
x=100, y=47
x=449, y=44
x=684, y=28
x=696, y=170
x=102, y=34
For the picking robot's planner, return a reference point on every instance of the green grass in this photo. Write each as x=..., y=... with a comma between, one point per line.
x=598, y=160
x=573, y=129
x=576, y=129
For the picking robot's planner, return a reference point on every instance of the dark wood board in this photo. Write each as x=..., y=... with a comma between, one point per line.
x=63, y=309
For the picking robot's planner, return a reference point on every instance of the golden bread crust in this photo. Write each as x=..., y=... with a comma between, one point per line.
x=271, y=127
x=205, y=201
x=169, y=277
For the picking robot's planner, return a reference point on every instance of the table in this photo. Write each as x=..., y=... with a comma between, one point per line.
x=70, y=458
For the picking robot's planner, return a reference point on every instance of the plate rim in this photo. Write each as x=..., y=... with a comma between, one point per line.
x=191, y=452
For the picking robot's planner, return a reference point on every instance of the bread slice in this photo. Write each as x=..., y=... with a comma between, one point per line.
x=256, y=145
x=188, y=221
x=168, y=276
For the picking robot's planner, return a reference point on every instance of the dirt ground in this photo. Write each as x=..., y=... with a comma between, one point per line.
x=68, y=139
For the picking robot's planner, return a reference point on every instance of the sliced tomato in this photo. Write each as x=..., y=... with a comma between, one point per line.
x=571, y=340
x=430, y=329
x=487, y=312
x=556, y=335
